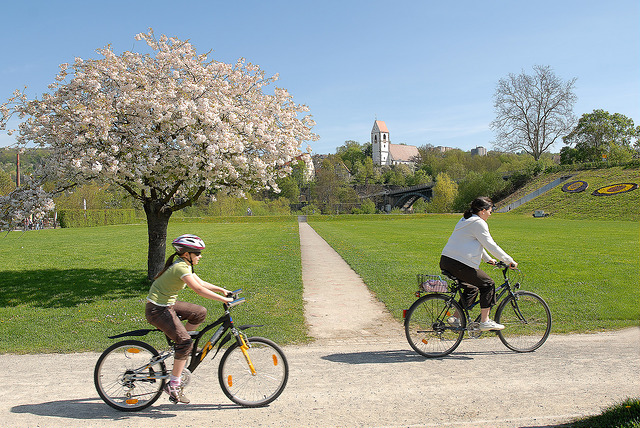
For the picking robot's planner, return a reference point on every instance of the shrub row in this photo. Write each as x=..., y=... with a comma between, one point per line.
x=87, y=218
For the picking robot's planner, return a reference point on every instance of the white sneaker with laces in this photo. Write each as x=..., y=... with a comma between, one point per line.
x=489, y=325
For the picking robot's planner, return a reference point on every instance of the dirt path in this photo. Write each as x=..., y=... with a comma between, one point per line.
x=353, y=376
x=338, y=304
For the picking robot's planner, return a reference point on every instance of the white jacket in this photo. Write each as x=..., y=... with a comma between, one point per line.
x=469, y=240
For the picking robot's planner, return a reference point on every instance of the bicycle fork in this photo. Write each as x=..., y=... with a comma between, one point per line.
x=244, y=347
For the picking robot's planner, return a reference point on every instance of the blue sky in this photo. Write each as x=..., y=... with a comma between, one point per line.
x=428, y=69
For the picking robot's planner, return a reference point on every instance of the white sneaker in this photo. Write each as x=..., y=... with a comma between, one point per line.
x=453, y=322
x=490, y=325
x=175, y=394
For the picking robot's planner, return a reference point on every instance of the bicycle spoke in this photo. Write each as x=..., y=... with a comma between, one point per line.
x=125, y=378
x=259, y=386
x=527, y=321
x=427, y=328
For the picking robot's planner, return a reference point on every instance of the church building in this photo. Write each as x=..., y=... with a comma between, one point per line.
x=385, y=153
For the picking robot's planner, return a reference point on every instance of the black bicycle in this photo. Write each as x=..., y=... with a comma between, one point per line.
x=253, y=371
x=436, y=323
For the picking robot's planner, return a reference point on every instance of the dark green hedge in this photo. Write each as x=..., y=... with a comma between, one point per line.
x=88, y=218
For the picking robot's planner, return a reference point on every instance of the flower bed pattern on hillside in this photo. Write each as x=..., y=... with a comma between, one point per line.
x=575, y=186
x=615, y=189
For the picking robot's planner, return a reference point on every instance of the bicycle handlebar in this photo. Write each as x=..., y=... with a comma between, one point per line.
x=236, y=300
x=505, y=267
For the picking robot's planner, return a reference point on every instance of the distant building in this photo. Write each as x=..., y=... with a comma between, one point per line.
x=385, y=153
x=341, y=169
x=443, y=149
x=479, y=151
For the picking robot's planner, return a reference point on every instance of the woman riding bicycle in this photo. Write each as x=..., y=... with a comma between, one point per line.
x=165, y=312
x=462, y=255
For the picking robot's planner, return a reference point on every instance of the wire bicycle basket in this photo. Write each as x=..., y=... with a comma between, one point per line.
x=432, y=284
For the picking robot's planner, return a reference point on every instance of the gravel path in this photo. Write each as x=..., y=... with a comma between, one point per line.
x=360, y=372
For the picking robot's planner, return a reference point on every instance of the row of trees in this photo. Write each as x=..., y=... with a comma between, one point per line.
x=342, y=179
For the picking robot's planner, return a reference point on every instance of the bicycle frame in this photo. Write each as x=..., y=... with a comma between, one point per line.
x=225, y=325
x=504, y=288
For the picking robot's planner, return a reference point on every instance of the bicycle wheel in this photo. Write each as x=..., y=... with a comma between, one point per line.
x=126, y=379
x=264, y=384
x=527, y=321
x=427, y=329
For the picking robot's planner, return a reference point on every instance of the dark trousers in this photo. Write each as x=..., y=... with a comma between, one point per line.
x=169, y=320
x=474, y=281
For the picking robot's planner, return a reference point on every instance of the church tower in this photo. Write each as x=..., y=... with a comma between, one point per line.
x=380, y=142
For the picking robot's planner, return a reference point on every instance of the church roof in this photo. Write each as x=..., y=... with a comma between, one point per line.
x=381, y=126
x=401, y=152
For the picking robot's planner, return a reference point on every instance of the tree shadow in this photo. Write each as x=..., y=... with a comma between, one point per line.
x=61, y=288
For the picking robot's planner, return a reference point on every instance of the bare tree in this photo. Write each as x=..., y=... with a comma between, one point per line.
x=533, y=111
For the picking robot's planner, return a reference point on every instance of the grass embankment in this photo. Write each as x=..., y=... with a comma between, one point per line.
x=66, y=290
x=623, y=415
x=583, y=205
x=586, y=270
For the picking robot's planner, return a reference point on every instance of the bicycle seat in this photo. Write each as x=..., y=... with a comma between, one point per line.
x=449, y=274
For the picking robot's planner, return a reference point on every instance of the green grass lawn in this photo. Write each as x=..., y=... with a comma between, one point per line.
x=66, y=290
x=586, y=270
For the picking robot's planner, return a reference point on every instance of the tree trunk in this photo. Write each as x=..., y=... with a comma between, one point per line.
x=157, y=222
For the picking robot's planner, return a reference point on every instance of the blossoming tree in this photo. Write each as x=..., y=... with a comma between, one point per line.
x=169, y=127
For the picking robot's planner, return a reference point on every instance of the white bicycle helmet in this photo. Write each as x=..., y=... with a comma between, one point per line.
x=188, y=243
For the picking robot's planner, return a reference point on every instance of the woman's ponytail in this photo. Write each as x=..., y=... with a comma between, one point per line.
x=166, y=265
x=478, y=204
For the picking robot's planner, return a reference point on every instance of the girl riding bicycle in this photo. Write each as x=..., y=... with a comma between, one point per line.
x=166, y=313
x=462, y=256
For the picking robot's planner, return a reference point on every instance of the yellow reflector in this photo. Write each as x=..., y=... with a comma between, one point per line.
x=425, y=341
x=275, y=359
x=131, y=401
x=133, y=350
x=229, y=381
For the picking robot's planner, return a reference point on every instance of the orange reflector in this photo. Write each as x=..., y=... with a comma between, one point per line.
x=131, y=401
x=275, y=359
x=229, y=381
x=448, y=313
x=133, y=350
x=404, y=313
x=425, y=341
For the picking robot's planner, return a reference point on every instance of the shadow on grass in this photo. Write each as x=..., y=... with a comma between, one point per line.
x=60, y=288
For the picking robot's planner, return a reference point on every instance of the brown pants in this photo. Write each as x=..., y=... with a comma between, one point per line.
x=169, y=320
x=475, y=281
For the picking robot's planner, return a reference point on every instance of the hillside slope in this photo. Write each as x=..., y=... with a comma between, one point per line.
x=555, y=202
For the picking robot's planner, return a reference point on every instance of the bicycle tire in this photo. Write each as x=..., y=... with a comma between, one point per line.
x=427, y=329
x=114, y=380
x=259, y=389
x=527, y=320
